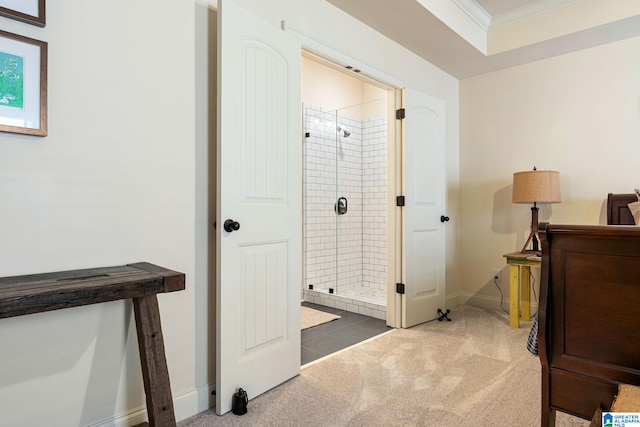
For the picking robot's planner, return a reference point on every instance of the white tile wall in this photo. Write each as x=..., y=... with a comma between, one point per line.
x=368, y=308
x=345, y=252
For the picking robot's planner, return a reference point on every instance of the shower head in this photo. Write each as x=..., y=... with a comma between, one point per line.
x=345, y=133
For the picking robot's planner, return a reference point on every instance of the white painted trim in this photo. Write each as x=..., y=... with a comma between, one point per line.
x=194, y=401
x=336, y=58
x=329, y=54
x=133, y=417
x=460, y=20
x=475, y=12
x=532, y=10
x=492, y=303
x=185, y=404
x=454, y=300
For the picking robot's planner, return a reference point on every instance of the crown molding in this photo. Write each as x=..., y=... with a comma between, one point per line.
x=532, y=10
x=475, y=12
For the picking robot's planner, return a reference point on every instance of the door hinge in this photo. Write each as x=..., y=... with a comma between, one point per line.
x=400, y=288
x=400, y=114
x=400, y=201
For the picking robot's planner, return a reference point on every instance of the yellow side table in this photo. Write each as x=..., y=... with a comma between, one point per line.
x=520, y=285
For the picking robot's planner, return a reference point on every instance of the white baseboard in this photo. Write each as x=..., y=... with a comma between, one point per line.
x=185, y=405
x=194, y=401
x=133, y=417
x=492, y=303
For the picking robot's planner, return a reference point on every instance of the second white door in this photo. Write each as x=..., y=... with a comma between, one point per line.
x=424, y=233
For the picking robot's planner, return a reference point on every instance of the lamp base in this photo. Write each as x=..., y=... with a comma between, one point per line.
x=533, y=236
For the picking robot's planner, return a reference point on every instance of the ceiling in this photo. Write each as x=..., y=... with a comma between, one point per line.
x=471, y=37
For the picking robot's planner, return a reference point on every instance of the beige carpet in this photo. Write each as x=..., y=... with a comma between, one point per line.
x=474, y=371
x=310, y=317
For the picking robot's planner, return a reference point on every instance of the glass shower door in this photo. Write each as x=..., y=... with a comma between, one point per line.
x=345, y=200
x=319, y=198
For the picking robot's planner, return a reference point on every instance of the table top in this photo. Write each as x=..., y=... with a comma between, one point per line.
x=37, y=293
x=527, y=258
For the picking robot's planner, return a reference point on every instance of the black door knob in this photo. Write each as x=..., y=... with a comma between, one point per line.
x=231, y=225
x=444, y=218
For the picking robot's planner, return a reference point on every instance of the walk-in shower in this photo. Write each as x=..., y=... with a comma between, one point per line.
x=345, y=207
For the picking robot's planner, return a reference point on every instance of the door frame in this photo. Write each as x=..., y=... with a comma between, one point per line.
x=339, y=60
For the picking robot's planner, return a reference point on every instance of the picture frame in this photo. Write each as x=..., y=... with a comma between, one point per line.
x=23, y=85
x=29, y=11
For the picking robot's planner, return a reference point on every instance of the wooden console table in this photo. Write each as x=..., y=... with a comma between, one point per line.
x=20, y=295
x=519, y=284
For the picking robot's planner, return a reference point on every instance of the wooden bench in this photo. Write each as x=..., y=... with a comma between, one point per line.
x=22, y=295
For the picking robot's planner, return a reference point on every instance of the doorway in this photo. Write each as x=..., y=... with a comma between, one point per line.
x=345, y=190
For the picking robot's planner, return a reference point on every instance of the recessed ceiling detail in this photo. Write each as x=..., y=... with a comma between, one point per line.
x=457, y=36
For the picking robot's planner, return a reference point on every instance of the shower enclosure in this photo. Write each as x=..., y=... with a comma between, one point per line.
x=345, y=207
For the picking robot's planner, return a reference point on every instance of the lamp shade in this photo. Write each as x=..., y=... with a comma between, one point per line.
x=536, y=187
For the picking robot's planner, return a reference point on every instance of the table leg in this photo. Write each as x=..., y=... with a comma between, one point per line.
x=525, y=292
x=514, y=279
x=154, y=363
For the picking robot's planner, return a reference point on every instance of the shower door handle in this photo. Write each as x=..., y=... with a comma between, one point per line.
x=341, y=206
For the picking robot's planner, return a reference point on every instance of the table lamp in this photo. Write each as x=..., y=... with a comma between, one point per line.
x=535, y=187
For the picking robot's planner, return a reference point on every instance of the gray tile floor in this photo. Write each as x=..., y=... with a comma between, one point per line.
x=330, y=337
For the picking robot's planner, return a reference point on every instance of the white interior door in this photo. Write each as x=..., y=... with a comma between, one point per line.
x=259, y=187
x=424, y=239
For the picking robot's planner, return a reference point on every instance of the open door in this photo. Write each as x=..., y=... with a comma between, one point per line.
x=259, y=217
x=424, y=233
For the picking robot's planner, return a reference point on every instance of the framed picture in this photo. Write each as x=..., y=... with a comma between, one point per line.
x=29, y=11
x=23, y=85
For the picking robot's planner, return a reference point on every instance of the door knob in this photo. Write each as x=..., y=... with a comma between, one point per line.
x=444, y=218
x=231, y=225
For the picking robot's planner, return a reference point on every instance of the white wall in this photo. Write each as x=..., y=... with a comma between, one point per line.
x=326, y=87
x=121, y=178
x=113, y=183
x=578, y=114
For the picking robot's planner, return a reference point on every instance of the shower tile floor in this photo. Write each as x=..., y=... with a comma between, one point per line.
x=350, y=329
x=366, y=293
